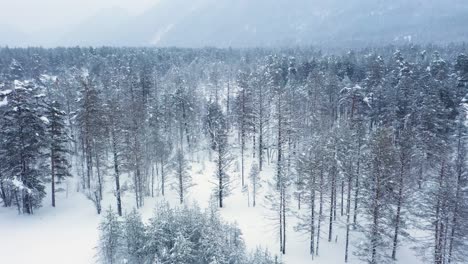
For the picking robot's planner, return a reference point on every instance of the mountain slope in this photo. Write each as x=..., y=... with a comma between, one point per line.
x=285, y=22
x=246, y=23
x=100, y=29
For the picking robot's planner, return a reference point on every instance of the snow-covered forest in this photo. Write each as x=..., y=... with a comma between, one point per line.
x=217, y=156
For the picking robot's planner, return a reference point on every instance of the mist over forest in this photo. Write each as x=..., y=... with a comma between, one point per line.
x=236, y=132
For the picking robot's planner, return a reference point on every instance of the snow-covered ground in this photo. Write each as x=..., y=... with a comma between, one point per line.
x=68, y=233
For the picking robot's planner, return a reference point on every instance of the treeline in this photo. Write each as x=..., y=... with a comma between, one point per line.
x=373, y=138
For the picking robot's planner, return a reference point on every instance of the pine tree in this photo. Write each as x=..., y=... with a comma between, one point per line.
x=255, y=182
x=215, y=124
x=182, y=174
x=110, y=239
x=244, y=114
x=382, y=167
x=307, y=166
x=24, y=139
x=134, y=235
x=181, y=252
x=59, y=139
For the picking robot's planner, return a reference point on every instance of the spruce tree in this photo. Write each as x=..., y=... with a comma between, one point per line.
x=59, y=139
x=24, y=140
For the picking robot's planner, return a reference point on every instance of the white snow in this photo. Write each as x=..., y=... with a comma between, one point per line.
x=4, y=101
x=45, y=120
x=46, y=77
x=5, y=92
x=68, y=233
x=161, y=33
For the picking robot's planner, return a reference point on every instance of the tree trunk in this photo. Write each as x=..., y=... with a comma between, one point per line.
x=242, y=159
x=398, y=212
x=52, y=167
x=260, y=129
x=279, y=146
x=460, y=168
x=220, y=178
x=342, y=198
x=243, y=134
x=320, y=210
x=152, y=180
x=281, y=222
x=181, y=183
x=99, y=175
x=356, y=191
x=348, y=216
x=312, y=217
x=135, y=183
x=117, y=174
x=163, y=179
x=332, y=204
x=375, y=220
x=284, y=219
x=438, y=222
x=254, y=194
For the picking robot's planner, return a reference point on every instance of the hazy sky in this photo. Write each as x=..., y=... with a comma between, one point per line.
x=37, y=15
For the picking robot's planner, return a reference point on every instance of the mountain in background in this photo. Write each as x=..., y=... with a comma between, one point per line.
x=100, y=29
x=250, y=23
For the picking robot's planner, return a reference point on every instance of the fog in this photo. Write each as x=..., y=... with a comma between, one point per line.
x=223, y=23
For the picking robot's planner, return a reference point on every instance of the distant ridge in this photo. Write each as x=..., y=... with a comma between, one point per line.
x=251, y=23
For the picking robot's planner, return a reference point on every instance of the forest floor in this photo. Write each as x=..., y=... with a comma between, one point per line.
x=69, y=234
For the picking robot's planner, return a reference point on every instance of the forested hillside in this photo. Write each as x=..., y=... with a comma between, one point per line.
x=366, y=148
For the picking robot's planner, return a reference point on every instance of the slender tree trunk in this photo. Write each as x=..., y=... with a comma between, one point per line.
x=320, y=210
x=254, y=140
x=163, y=177
x=260, y=147
x=135, y=183
x=312, y=217
x=460, y=168
x=242, y=158
x=356, y=191
x=332, y=205
x=228, y=101
x=299, y=200
x=152, y=180
x=279, y=146
x=82, y=159
x=281, y=222
x=117, y=173
x=335, y=194
x=398, y=212
x=260, y=129
x=243, y=134
x=139, y=186
x=98, y=170
x=181, y=183
x=220, y=178
x=284, y=219
x=89, y=164
x=342, y=198
x=348, y=216
x=6, y=198
x=375, y=219
x=438, y=222
x=52, y=168
x=420, y=179
x=254, y=194
x=187, y=134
